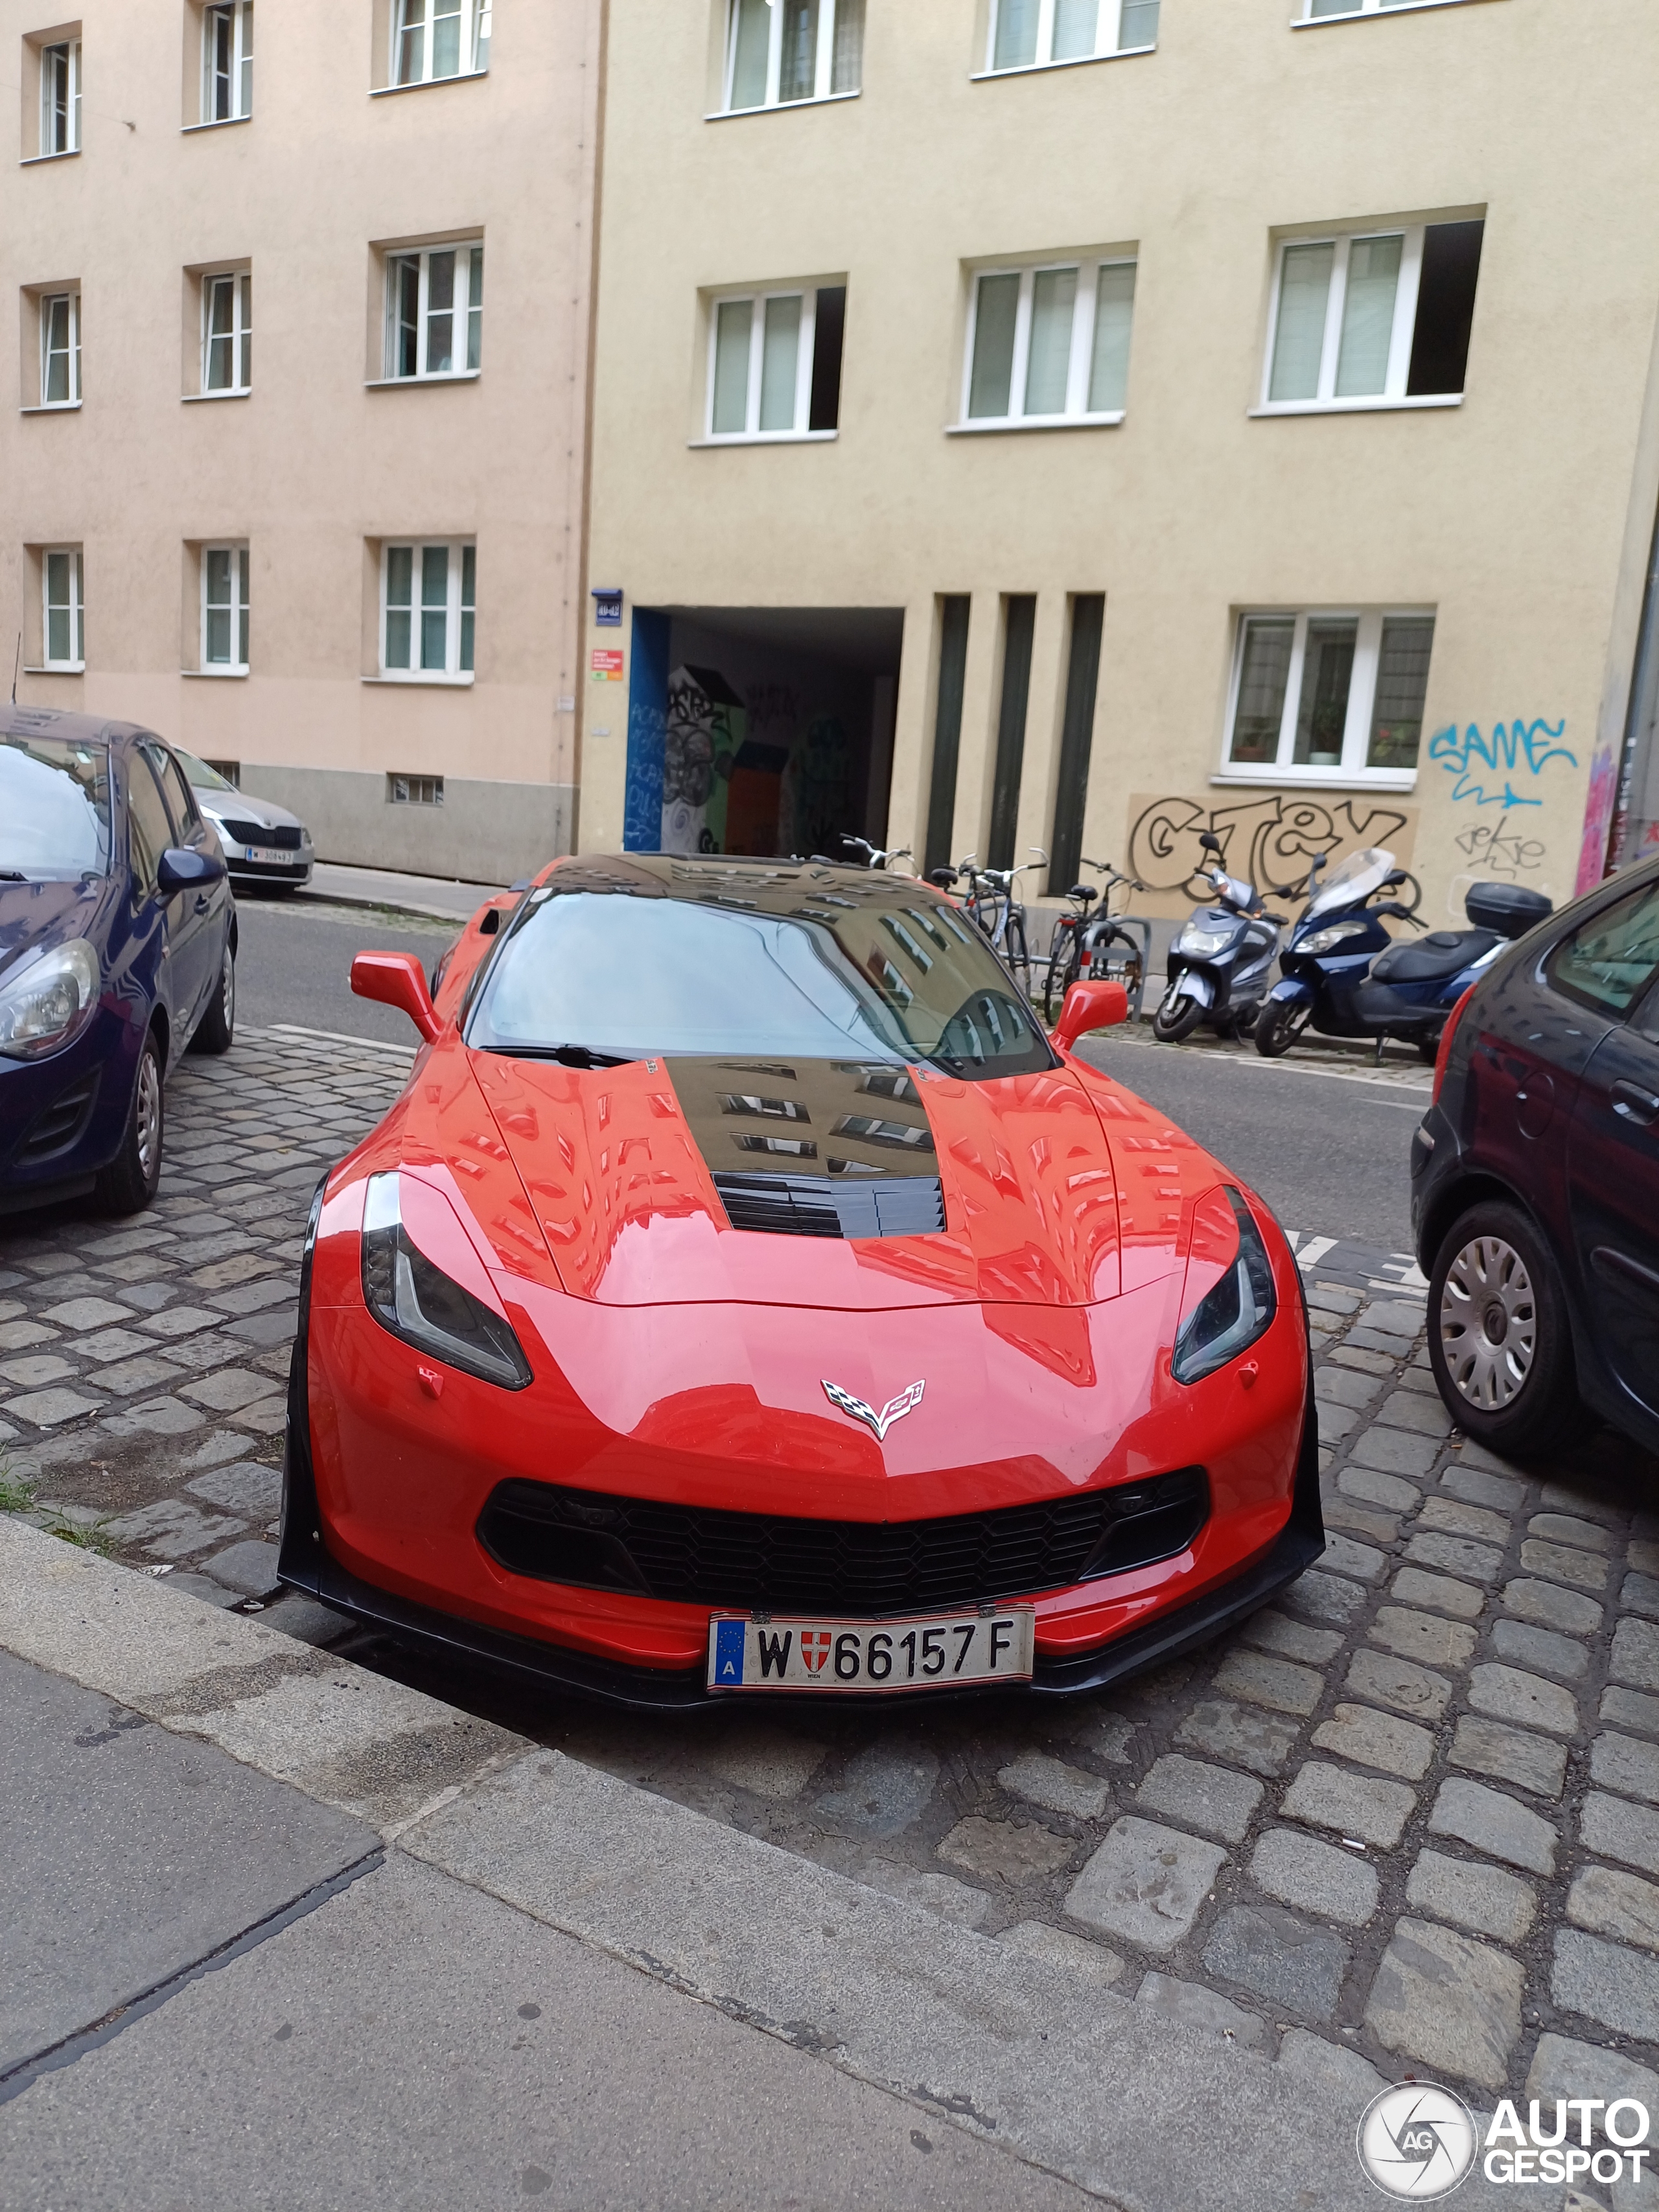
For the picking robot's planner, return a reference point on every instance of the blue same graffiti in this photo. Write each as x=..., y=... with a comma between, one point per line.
x=1512, y=749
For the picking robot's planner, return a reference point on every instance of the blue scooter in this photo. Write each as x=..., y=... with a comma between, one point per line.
x=1344, y=975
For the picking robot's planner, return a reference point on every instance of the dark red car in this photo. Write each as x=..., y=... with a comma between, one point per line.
x=746, y=1298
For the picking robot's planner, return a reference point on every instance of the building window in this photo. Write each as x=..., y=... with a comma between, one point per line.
x=228, y=332
x=415, y=791
x=432, y=40
x=429, y=595
x=227, y=62
x=775, y=364
x=60, y=350
x=1373, y=318
x=1035, y=33
x=224, y=610
x=434, y=312
x=781, y=52
x=60, y=98
x=1319, y=11
x=1049, y=345
x=63, y=628
x=1330, y=697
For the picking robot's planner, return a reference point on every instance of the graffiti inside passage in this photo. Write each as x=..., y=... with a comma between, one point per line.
x=1513, y=748
x=1498, y=849
x=1271, y=843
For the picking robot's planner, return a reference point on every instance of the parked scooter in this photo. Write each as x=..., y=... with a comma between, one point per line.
x=1218, y=963
x=1344, y=975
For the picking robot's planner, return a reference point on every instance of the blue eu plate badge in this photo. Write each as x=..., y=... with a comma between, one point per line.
x=728, y=1654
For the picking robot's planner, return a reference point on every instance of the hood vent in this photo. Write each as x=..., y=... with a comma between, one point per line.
x=807, y=1205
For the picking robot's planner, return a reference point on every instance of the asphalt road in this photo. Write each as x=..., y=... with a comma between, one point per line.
x=1329, y=1156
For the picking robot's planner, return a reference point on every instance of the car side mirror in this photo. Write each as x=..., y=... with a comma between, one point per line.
x=182, y=869
x=395, y=979
x=1094, y=1004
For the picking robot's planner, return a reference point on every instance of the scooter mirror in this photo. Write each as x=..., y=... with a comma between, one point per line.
x=1210, y=842
x=1095, y=1004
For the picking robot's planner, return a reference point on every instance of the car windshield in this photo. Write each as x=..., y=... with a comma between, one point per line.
x=200, y=775
x=54, y=809
x=621, y=977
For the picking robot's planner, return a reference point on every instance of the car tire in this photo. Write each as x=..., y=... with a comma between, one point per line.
x=216, y=1030
x=130, y=1181
x=1500, y=1343
x=1177, y=1016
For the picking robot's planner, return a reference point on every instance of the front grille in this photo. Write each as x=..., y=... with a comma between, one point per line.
x=63, y=1124
x=776, y=1563
x=809, y=1205
x=285, y=838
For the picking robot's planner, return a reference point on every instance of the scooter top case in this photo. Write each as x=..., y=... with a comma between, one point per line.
x=1501, y=911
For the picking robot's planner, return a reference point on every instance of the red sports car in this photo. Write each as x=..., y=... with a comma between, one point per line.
x=745, y=1298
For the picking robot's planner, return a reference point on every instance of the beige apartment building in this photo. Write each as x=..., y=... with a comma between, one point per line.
x=1079, y=424
x=286, y=478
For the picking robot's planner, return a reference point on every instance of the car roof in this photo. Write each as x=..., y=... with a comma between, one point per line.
x=778, y=887
x=56, y=722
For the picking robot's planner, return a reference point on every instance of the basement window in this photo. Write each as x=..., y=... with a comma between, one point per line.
x=415, y=791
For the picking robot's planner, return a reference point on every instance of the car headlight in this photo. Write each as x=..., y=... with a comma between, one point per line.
x=1323, y=939
x=417, y=1302
x=1235, y=1312
x=50, y=1001
x=1203, y=941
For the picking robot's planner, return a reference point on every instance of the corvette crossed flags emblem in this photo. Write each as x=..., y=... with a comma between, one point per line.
x=894, y=1410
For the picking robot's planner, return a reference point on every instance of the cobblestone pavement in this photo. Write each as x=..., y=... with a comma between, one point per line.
x=1406, y=1820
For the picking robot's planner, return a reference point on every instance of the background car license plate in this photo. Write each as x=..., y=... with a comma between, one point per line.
x=270, y=856
x=934, y=1651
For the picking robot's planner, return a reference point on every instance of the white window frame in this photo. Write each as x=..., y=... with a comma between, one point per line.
x=77, y=662
x=71, y=49
x=238, y=605
x=463, y=311
x=47, y=302
x=239, y=13
x=823, y=64
x=1393, y=393
x=806, y=342
x=1110, y=19
x=475, y=20
x=1076, y=413
x=1362, y=698
x=456, y=609
x=1307, y=20
x=241, y=333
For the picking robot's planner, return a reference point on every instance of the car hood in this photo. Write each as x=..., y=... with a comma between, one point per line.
x=33, y=916
x=241, y=806
x=606, y=1174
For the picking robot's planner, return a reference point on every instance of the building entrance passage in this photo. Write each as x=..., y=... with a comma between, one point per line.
x=761, y=730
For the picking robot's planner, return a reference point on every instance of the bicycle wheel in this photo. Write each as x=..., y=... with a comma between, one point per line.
x=1017, y=953
x=1064, y=962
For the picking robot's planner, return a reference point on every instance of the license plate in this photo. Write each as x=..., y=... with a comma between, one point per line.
x=934, y=1651
x=271, y=856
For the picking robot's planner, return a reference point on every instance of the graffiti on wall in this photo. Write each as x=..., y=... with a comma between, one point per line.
x=1599, y=801
x=1499, y=849
x=1271, y=842
x=1484, y=766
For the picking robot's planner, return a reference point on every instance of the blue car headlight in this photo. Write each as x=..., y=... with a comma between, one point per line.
x=47, y=1002
x=1231, y=1317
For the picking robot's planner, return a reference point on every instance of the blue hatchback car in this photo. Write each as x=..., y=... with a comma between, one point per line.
x=118, y=951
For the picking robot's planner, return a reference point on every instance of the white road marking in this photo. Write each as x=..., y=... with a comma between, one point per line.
x=1311, y=1253
x=333, y=1036
x=1421, y=1090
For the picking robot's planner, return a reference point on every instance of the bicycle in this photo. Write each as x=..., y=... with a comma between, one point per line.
x=873, y=855
x=1093, y=945
x=997, y=911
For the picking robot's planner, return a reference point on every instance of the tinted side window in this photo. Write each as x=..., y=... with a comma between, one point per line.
x=152, y=833
x=1610, y=961
x=176, y=791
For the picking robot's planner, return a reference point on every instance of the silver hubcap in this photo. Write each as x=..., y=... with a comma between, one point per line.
x=227, y=990
x=149, y=1117
x=1488, y=1323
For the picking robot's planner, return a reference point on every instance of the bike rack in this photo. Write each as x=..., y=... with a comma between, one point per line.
x=1138, y=922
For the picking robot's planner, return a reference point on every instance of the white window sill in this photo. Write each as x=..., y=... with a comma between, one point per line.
x=217, y=675
x=766, y=438
x=1033, y=422
x=53, y=407
x=405, y=383
x=780, y=107
x=57, y=668
x=214, y=123
x=427, y=84
x=34, y=160
x=1361, y=406
x=423, y=676
x=1082, y=61
x=1321, y=779
x=1370, y=14
x=195, y=398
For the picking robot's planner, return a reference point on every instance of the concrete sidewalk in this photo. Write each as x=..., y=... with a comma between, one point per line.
x=288, y=1933
x=436, y=896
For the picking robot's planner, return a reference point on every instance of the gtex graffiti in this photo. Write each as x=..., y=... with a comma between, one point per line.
x=1514, y=748
x=1269, y=841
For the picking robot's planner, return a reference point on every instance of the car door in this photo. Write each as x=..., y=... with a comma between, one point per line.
x=1612, y=1150
x=150, y=833
x=194, y=933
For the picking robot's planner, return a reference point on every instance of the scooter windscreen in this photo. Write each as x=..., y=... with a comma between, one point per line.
x=1359, y=875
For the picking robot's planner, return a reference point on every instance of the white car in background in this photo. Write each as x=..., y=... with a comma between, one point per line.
x=263, y=844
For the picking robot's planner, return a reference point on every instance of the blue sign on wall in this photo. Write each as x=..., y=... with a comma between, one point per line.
x=607, y=609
